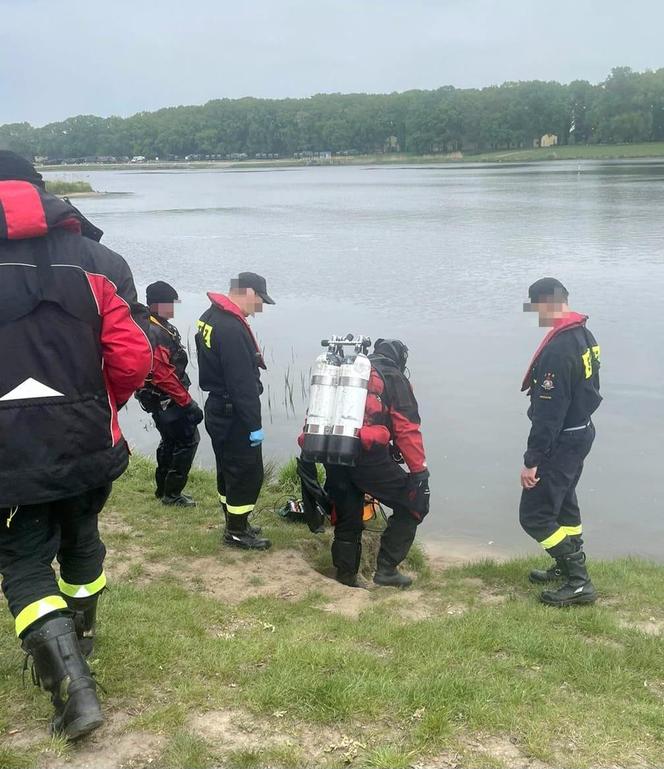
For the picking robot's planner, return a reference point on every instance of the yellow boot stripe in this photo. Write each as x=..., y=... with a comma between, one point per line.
x=222, y=499
x=36, y=610
x=83, y=591
x=239, y=509
x=555, y=539
x=572, y=531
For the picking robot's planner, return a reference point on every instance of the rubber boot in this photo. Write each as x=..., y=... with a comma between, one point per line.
x=85, y=620
x=555, y=573
x=159, y=476
x=60, y=668
x=346, y=557
x=389, y=576
x=577, y=589
x=181, y=500
x=255, y=530
x=239, y=534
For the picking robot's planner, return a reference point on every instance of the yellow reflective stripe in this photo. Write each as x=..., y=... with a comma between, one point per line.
x=239, y=509
x=205, y=330
x=596, y=352
x=555, y=539
x=572, y=531
x=222, y=499
x=82, y=591
x=37, y=609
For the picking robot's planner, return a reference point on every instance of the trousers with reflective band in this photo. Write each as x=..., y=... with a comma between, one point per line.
x=38, y=534
x=550, y=511
x=239, y=465
x=83, y=591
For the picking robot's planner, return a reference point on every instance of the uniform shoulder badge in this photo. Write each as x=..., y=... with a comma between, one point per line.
x=547, y=382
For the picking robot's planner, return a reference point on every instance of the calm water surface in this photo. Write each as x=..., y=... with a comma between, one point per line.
x=440, y=257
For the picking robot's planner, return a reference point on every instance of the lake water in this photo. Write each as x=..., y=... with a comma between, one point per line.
x=440, y=257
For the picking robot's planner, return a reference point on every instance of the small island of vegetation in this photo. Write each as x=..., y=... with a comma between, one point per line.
x=61, y=187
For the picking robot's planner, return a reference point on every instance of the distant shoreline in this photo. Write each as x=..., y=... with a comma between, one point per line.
x=647, y=151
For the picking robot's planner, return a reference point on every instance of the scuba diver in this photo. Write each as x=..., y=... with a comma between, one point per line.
x=387, y=435
x=562, y=382
x=165, y=396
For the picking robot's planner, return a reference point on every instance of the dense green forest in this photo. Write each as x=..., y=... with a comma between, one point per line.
x=627, y=107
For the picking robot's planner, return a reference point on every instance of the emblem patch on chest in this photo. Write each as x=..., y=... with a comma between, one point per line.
x=547, y=382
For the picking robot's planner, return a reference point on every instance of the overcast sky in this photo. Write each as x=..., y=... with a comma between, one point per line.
x=103, y=57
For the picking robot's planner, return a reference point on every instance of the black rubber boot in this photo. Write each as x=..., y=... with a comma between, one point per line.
x=238, y=534
x=577, y=589
x=255, y=530
x=389, y=576
x=181, y=500
x=351, y=580
x=555, y=573
x=346, y=557
x=59, y=667
x=85, y=620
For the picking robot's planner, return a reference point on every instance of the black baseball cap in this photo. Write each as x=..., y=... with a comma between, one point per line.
x=547, y=288
x=255, y=281
x=160, y=293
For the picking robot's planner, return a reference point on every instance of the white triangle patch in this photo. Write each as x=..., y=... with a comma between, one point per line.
x=31, y=388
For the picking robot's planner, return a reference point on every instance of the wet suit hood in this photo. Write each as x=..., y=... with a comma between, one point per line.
x=228, y=305
x=391, y=352
x=571, y=320
x=28, y=211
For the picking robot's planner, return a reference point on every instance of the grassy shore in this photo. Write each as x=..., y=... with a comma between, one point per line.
x=215, y=657
x=650, y=150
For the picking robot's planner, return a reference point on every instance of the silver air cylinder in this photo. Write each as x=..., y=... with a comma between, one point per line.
x=343, y=445
x=320, y=413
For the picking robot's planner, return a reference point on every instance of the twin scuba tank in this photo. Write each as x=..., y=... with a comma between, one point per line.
x=337, y=399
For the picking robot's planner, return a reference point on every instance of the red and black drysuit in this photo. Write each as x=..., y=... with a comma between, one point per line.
x=166, y=397
x=391, y=428
x=563, y=384
x=74, y=349
x=229, y=363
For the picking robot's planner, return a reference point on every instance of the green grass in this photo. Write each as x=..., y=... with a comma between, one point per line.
x=467, y=667
x=61, y=187
x=574, y=152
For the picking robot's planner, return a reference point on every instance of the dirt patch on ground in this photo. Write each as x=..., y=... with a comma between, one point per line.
x=650, y=626
x=109, y=746
x=284, y=574
x=228, y=731
x=504, y=750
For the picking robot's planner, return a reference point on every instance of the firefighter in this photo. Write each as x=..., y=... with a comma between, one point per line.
x=74, y=346
x=165, y=396
x=562, y=382
x=229, y=363
x=389, y=437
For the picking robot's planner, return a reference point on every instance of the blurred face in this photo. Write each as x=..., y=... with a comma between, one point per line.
x=549, y=310
x=165, y=310
x=247, y=300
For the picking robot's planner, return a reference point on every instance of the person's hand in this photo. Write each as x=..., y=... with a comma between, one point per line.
x=418, y=492
x=529, y=478
x=194, y=413
x=256, y=437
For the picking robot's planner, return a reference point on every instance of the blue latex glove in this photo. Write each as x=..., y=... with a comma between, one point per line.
x=256, y=437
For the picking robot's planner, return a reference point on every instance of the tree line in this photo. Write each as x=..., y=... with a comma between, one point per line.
x=627, y=107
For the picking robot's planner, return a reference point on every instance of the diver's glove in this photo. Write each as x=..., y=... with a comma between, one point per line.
x=418, y=493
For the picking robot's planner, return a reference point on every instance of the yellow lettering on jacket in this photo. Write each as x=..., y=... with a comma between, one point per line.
x=206, y=333
x=587, y=363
